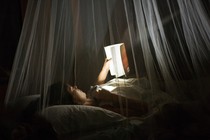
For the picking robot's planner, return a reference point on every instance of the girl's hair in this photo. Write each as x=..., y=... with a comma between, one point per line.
x=59, y=95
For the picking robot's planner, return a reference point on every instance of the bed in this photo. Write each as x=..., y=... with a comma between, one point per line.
x=91, y=122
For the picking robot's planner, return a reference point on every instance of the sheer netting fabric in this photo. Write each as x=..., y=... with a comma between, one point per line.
x=168, y=47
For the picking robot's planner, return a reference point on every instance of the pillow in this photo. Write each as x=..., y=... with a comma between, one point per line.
x=79, y=118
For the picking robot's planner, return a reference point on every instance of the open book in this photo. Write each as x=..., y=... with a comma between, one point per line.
x=119, y=62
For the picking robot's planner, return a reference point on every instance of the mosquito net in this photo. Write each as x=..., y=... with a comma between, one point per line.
x=167, y=44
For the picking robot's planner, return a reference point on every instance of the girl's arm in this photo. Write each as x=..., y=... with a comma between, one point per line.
x=104, y=71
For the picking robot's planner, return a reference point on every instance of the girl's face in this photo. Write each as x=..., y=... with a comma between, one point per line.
x=79, y=97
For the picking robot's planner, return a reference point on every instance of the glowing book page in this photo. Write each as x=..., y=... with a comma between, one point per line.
x=109, y=88
x=119, y=63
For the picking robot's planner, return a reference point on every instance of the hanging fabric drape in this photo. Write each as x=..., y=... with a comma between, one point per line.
x=167, y=43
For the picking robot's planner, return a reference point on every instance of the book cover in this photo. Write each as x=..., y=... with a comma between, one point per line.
x=119, y=62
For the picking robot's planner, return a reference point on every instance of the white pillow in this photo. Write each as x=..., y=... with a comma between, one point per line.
x=79, y=118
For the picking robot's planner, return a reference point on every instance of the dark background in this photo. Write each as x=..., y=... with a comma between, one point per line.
x=11, y=19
